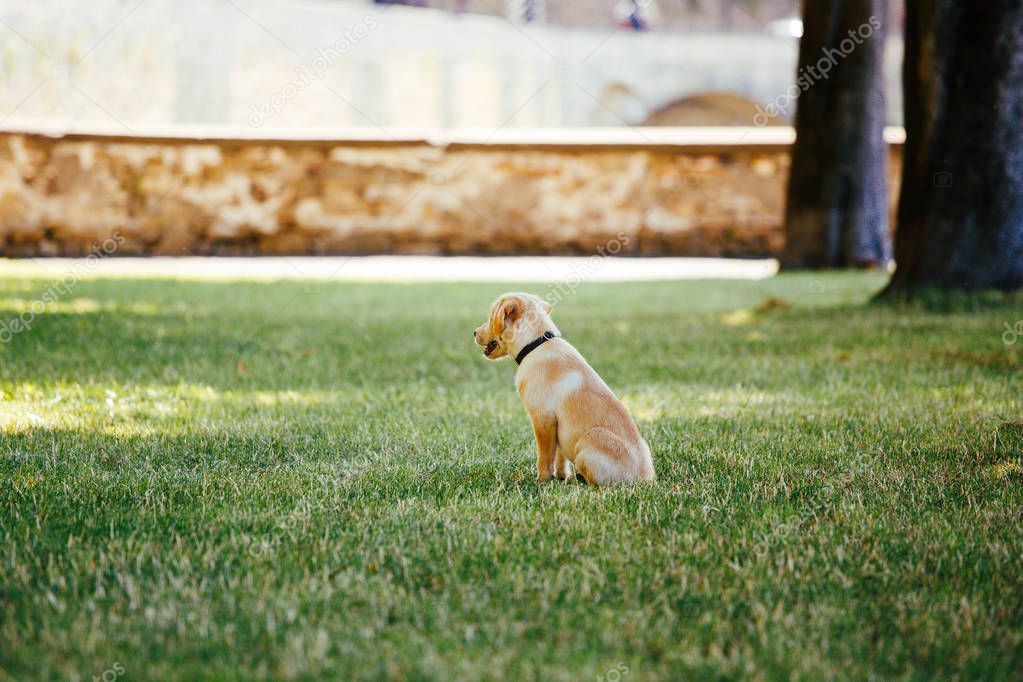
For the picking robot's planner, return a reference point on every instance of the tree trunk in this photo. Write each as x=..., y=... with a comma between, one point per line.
x=961, y=210
x=836, y=212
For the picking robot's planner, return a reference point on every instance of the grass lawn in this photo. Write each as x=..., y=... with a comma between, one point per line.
x=230, y=480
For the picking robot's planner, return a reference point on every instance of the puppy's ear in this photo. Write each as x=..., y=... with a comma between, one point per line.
x=505, y=314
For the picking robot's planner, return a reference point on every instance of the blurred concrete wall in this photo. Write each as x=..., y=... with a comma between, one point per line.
x=275, y=64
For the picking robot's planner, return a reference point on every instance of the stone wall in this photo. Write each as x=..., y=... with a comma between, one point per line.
x=681, y=192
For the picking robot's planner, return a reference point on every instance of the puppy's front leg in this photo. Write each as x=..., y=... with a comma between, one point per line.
x=546, y=432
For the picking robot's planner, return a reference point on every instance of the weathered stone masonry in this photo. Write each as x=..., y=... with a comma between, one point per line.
x=172, y=196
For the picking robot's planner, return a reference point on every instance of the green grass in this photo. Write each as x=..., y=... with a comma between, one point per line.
x=249, y=480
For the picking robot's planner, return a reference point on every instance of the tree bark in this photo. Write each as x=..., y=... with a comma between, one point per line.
x=960, y=220
x=836, y=211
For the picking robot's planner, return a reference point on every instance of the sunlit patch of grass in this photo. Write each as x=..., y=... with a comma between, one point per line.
x=738, y=318
x=1005, y=469
x=235, y=480
x=14, y=307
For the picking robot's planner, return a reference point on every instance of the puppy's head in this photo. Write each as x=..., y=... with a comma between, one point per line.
x=515, y=320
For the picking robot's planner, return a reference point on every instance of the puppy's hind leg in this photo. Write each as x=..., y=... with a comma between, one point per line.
x=592, y=466
x=562, y=468
x=603, y=458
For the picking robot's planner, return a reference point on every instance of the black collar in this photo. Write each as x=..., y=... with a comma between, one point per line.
x=533, y=345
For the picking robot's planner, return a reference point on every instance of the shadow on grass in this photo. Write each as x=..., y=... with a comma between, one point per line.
x=280, y=335
x=941, y=301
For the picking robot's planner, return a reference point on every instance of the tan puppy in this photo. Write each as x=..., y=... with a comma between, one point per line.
x=576, y=417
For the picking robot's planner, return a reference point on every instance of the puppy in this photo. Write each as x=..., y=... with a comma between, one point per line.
x=576, y=417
